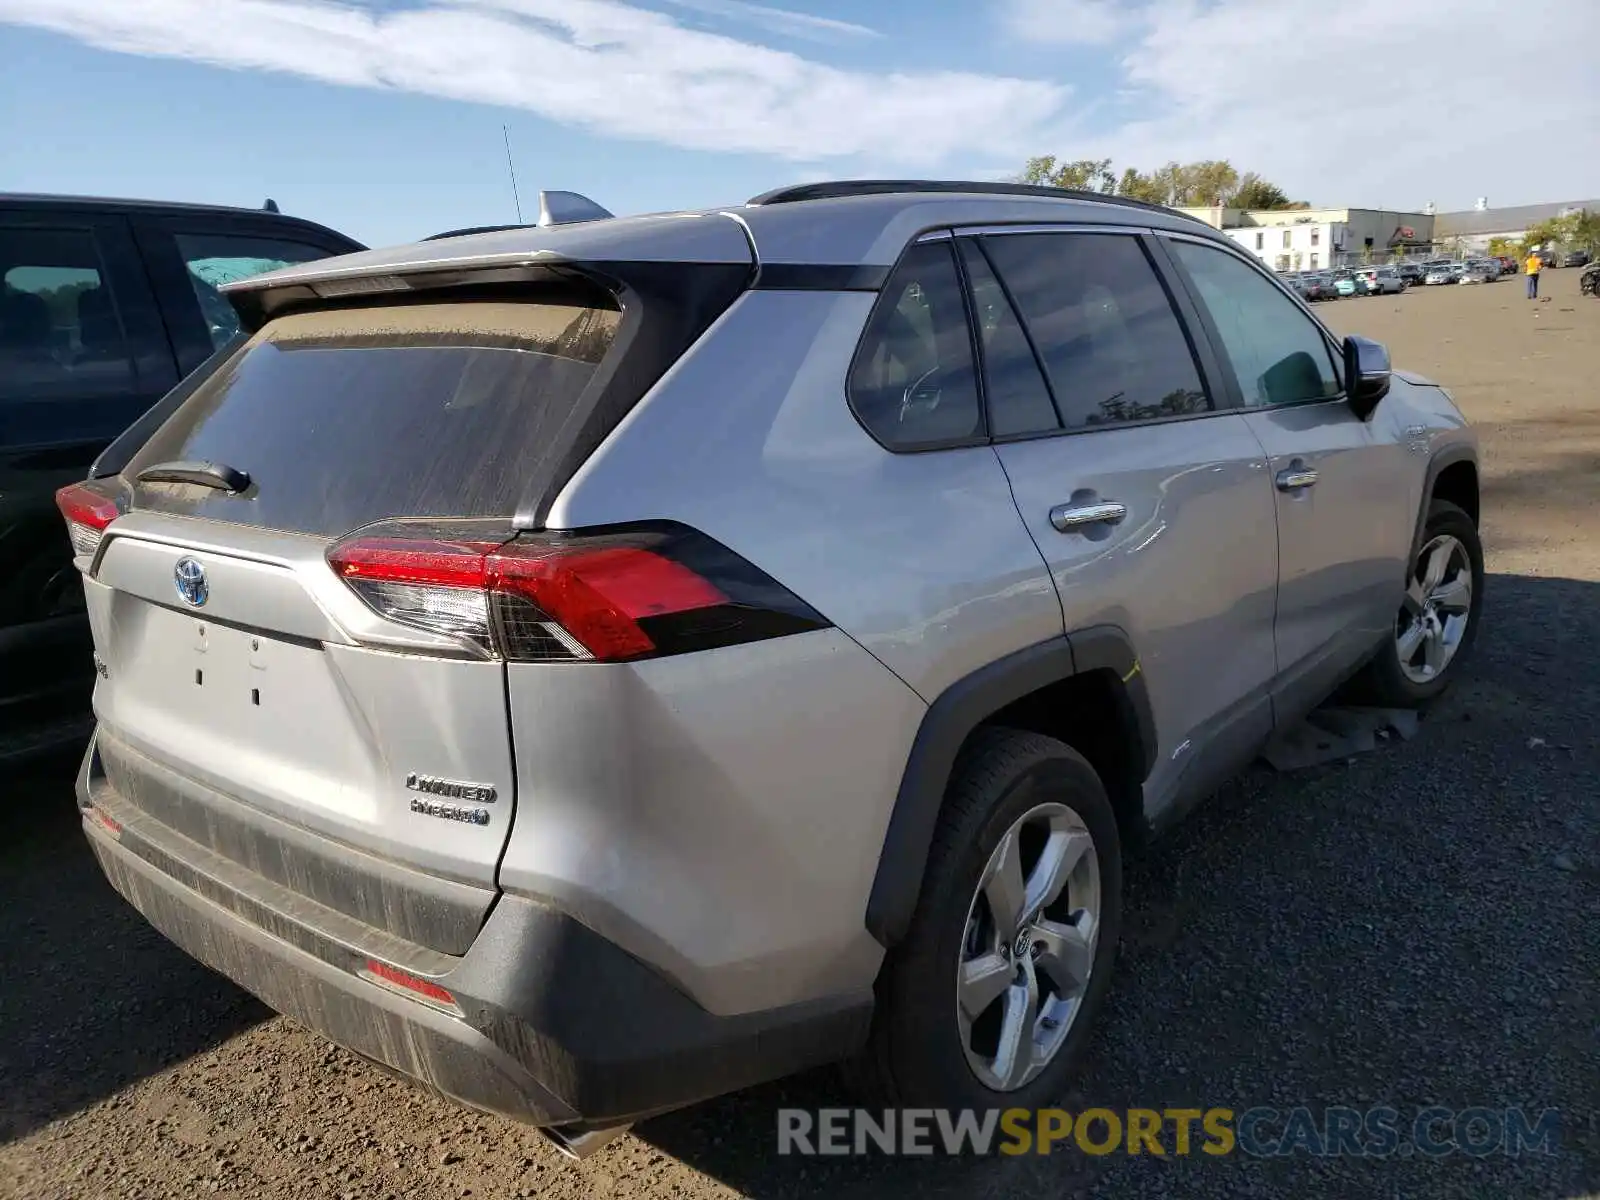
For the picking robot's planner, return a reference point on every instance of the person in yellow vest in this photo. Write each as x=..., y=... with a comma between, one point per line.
x=1534, y=266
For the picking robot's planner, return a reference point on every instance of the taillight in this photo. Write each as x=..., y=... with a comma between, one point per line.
x=88, y=512
x=608, y=597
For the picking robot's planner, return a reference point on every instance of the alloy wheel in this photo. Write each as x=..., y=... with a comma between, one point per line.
x=1437, y=606
x=1028, y=948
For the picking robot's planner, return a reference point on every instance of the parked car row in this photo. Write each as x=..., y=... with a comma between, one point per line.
x=1396, y=277
x=1472, y=270
x=1363, y=281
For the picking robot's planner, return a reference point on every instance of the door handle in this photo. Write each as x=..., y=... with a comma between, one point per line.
x=1294, y=478
x=1070, y=517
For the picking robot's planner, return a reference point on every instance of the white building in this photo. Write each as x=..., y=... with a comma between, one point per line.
x=1300, y=247
x=1310, y=239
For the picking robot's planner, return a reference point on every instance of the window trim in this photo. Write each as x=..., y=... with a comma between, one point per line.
x=976, y=241
x=1207, y=367
x=1230, y=381
x=886, y=296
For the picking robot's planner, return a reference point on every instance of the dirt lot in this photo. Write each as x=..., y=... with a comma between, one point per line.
x=1416, y=926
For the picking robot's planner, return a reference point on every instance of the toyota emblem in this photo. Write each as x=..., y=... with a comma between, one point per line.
x=190, y=579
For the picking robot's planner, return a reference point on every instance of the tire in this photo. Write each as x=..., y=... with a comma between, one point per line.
x=1387, y=681
x=917, y=1051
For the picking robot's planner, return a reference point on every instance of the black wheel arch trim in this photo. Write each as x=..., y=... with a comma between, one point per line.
x=1448, y=457
x=960, y=709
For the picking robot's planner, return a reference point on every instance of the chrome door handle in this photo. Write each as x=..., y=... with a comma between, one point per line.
x=1295, y=478
x=1069, y=517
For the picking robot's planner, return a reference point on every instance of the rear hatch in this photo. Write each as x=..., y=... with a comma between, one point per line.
x=255, y=699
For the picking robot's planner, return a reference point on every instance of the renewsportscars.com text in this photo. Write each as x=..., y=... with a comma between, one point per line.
x=1259, y=1132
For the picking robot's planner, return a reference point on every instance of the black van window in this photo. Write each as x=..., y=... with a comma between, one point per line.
x=60, y=335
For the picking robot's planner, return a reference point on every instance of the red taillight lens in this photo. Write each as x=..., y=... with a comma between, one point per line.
x=88, y=512
x=606, y=597
x=596, y=594
x=422, y=989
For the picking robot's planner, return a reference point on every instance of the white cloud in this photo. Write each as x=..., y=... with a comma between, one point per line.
x=779, y=20
x=1367, y=102
x=1363, y=101
x=1092, y=22
x=603, y=65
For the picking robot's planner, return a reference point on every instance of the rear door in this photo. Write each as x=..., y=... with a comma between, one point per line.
x=1146, y=497
x=81, y=355
x=236, y=658
x=1342, y=485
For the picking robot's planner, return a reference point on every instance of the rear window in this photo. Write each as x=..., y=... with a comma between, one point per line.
x=346, y=417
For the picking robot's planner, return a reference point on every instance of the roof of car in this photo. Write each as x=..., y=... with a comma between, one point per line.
x=52, y=200
x=115, y=204
x=855, y=223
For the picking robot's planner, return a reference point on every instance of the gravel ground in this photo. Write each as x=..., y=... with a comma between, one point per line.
x=1414, y=926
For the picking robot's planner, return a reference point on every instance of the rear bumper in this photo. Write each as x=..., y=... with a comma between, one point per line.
x=558, y=1025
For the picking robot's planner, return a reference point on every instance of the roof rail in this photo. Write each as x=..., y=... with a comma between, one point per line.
x=450, y=233
x=568, y=208
x=888, y=187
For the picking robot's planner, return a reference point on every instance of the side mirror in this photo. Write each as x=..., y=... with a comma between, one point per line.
x=1366, y=374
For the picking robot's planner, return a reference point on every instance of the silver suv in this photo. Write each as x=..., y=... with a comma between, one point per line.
x=594, y=667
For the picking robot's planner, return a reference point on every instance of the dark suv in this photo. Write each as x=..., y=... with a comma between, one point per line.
x=104, y=306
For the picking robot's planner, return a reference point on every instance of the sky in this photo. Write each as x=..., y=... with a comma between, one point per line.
x=384, y=118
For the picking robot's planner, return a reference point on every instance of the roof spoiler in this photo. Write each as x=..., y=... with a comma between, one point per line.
x=568, y=208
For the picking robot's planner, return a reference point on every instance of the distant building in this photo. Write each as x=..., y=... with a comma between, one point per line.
x=1310, y=239
x=1472, y=230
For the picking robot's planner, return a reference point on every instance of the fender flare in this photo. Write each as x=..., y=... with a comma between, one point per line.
x=960, y=709
x=1448, y=457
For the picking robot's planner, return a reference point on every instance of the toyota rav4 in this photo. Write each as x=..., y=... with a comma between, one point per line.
x=594, y=667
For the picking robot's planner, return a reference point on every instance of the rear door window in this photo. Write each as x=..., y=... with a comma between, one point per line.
x=346, y=417
x=1102, y=321
x=213, y=259
x=61, y=337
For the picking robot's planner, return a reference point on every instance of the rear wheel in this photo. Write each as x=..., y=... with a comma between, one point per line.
x=990, y=998
x=1438, y=616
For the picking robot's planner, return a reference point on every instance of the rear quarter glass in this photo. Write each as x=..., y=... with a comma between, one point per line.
x=345, y=417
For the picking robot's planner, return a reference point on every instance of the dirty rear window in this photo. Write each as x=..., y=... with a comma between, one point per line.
x=346, y=417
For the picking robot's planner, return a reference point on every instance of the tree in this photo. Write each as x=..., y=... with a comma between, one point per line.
x=1256, y=192
x=1178, y=185
x=1581, y=230
x=1545, y=233
x=1084, y=175
x=1210, y=182
x=1142, y=187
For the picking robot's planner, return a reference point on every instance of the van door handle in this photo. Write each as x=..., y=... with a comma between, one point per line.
x=1294, y=478
x=1070, y=517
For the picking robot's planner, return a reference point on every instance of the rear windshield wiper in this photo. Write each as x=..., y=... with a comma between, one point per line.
x=205, y=474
